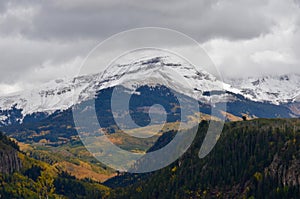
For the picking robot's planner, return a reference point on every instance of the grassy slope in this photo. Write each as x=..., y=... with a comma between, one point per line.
x=37, y=177
x=72, y=158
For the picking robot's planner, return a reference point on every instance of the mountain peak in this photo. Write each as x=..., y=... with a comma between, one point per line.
x=273, y=88
x=175, y=73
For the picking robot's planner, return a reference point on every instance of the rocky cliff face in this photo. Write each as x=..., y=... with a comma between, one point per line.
x=285, y=172
x=9, y=160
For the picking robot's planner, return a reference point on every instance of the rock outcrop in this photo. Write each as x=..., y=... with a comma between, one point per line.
x=285, y=171
x=9, y=160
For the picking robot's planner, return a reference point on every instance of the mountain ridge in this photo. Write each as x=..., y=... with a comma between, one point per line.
x=62, y=94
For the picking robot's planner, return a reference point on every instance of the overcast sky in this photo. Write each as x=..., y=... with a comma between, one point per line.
x=46, y=40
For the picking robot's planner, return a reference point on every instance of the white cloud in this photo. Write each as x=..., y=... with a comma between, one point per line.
x=269, y=57
x=10, y=88
x=274, y=53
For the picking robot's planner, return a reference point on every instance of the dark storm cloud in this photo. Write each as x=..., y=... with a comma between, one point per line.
x=63, y=20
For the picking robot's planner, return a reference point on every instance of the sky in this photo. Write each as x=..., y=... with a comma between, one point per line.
x=46, y=40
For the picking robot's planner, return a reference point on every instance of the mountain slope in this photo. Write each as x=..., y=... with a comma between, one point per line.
x=258, y=159
x=275, y=89
x=22, y=176
x=60, y=95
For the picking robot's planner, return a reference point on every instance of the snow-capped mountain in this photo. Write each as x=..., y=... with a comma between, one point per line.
x=61, y=94
x=274, y=89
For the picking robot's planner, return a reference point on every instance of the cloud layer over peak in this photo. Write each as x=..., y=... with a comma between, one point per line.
x=41, y=40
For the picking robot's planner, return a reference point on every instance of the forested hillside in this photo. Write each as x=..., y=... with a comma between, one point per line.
x=252, y=159
x=24, y=177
